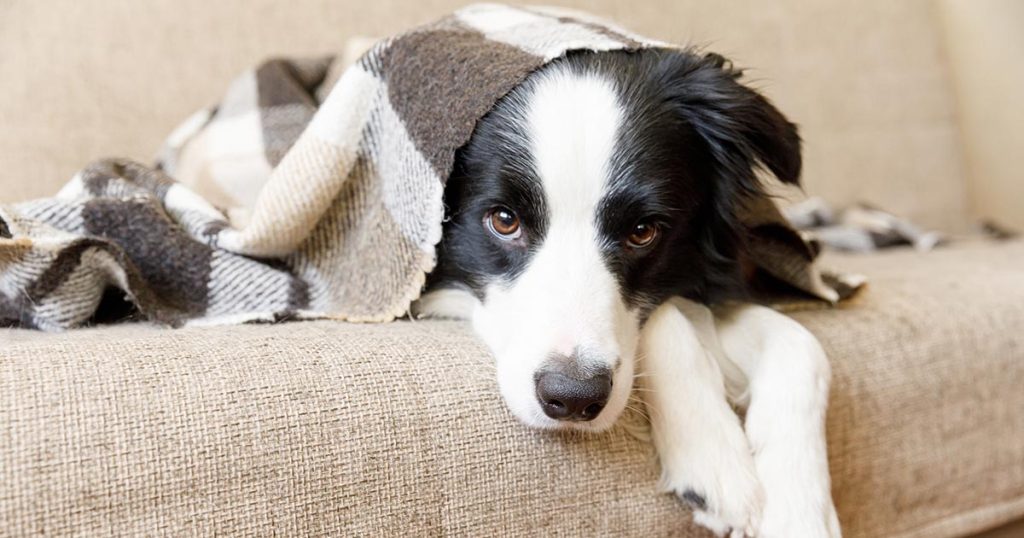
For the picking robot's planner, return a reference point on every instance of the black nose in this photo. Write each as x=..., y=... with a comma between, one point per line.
x=567, y=397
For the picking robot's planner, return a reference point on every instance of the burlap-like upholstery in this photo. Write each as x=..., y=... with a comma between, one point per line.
x=925, y=426
x=327, y=428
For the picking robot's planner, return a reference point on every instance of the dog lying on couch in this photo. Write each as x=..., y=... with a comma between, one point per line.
x=590, y=220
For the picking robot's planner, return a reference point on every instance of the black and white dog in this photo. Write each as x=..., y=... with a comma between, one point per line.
x=591, y=221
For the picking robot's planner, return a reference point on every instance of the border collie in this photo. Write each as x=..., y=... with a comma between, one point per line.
x=591, y=238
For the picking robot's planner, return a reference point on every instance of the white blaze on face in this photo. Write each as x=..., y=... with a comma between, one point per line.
x=566, y=300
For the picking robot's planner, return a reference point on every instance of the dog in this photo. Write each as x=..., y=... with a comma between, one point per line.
x=591, y=237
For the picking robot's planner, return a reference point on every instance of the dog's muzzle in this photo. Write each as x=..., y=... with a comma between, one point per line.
x=567, y=393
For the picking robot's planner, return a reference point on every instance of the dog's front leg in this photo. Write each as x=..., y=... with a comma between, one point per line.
x=789, y=381
x=705, y=457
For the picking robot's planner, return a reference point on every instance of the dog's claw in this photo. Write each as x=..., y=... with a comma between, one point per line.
x=723, y=529
x=694, y=500
x=742, y=533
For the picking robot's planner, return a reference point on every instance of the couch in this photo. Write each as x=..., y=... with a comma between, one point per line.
x=324, y=428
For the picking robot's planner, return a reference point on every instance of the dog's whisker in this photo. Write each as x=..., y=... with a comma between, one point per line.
x=639, y=412
x=651, y=411
x=637, y=401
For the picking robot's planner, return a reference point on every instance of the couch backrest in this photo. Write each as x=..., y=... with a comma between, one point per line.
x=866, y=80
x=985, y=40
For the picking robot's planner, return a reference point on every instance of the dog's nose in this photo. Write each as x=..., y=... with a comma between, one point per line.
x=566, y=397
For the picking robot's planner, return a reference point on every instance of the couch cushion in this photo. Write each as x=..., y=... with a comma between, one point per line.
x=926, y=432
x=329, y=428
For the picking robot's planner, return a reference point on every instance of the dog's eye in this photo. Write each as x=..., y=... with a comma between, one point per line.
x=503, y=223
x=643, y=235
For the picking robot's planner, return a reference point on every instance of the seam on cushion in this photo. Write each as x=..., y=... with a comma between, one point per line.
x=977, y=520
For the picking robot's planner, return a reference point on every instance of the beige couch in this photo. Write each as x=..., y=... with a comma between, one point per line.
x=327, y=428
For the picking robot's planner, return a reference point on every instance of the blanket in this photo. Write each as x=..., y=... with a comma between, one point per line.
x=323, y=189
x=858, y=228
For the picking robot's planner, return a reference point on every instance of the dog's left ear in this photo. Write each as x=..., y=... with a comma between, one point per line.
x=742, y=131
x=741, y=127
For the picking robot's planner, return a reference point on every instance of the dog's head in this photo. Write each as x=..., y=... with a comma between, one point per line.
x=597, y=189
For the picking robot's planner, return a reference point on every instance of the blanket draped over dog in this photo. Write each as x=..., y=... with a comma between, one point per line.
x=341, y=174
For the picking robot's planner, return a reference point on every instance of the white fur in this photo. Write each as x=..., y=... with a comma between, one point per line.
x=685, y=350
x=785, y=423
x=446, y=303
x=698, y=437
x=567, y=299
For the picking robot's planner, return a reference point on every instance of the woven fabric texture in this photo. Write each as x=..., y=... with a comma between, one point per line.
x=328, y=428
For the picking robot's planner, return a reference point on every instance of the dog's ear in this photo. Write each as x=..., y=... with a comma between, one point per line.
x=742, y=128
x=742, y=132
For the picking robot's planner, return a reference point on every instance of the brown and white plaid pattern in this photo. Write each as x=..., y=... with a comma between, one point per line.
x=332, y=180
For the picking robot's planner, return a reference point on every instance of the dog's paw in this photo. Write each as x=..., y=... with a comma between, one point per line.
x=799, y=520
x=720, y=528
x=798, y=500
x=734, y=516
x=722, y=489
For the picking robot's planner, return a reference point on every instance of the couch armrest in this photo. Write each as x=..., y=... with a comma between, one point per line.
x=295, y=429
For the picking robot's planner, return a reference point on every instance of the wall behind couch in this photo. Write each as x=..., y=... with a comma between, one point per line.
x=866, y=80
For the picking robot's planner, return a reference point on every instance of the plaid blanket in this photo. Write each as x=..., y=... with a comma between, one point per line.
x=858, y=228
x=322, y=188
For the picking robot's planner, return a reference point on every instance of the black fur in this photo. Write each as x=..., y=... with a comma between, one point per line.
x=687, y=155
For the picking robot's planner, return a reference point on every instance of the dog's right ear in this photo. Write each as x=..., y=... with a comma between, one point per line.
x=742, y=129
